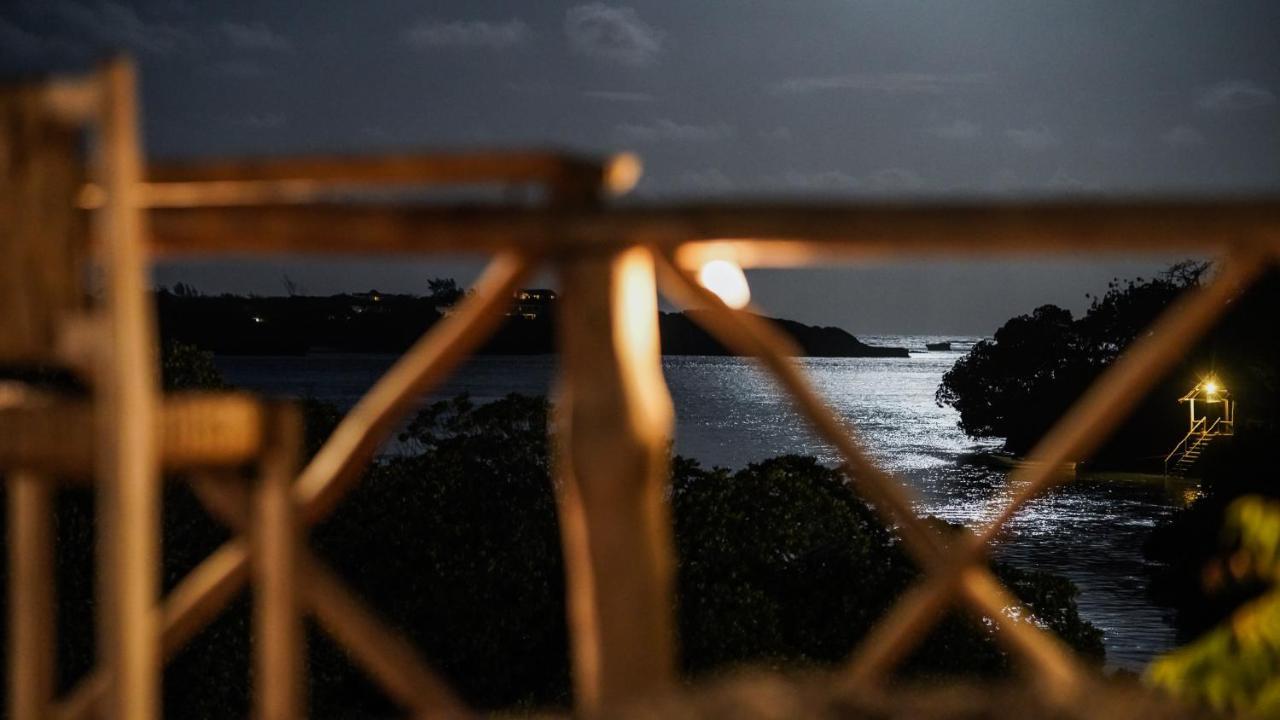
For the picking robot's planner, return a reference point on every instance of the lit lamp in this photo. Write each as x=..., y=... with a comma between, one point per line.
x=726, y=279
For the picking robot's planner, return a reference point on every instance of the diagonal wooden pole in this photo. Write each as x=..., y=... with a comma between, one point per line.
x=214, y=582
x=389, y=659
x=749, y=335
x=1107, y=402
x=353, y=443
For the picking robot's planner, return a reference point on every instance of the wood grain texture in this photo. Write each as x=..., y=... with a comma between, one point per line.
x=348, y=450
x=888, y=643
x=127, y=398
x=32, y=636
x=42, y=236
x=56, y=436
x=276, y=534
x=757, y=234
x=614, y=425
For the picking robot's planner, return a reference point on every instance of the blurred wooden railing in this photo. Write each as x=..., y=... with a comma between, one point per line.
x=614, y=415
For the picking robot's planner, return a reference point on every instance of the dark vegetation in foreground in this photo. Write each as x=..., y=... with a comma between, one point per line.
x=456, y=544
x=375, y=322
x=1017, y=384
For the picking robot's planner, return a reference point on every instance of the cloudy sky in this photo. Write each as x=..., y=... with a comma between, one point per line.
x=803, y=99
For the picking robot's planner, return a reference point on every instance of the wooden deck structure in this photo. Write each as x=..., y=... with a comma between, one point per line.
x=614, y=412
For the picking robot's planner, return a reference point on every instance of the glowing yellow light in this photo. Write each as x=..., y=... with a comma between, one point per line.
x=727, y=281
x=1211, y=387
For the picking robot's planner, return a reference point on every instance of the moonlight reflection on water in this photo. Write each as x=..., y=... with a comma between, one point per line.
x=730, y=413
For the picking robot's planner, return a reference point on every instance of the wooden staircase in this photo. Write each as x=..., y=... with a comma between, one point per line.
x=1186, y=454
x=1183, y=463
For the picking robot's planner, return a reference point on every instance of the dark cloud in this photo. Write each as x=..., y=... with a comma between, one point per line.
x=114, y=25
x=818, y=99
x=255, y=36
x=958, y=129
x=1235, y=95
x=236, y=69
x=432, y=34
x=665, y=129
x=261, y=121
x=708, y=181
x=898, y=83
x=820, y=182
x=1182, y=136
x=1035, y=139
x=612, y=33
x=621, y=96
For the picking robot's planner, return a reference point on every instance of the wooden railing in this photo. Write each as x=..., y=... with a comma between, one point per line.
x=614, y=414
x=1196, y=430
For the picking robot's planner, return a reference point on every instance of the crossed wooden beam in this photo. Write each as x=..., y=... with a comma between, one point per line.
x=612, y=261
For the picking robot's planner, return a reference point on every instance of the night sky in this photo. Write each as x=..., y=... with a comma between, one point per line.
x=804, y=99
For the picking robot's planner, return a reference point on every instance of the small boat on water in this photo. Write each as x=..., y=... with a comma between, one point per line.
x=938, y=346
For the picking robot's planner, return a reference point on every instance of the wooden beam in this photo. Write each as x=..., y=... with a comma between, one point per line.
x=401, y=168
x=389, y=659
x=1085, y=425
x=751, y=335
x=613, y=437
x=43, y=248
x=127, y=390
x=56, y=436
x=755, y=234
x=192, y=605
x=353, y=443
x=216, y=579
x=32, y=636
x=279, y=637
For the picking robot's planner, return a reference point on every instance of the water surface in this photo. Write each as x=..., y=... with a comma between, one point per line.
x=730, y=413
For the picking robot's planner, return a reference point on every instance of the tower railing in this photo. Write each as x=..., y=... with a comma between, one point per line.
x=614, y=414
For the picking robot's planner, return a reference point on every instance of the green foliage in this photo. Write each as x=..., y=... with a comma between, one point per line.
x=1236, y=666
x=187, y=367
x=1016, y=385
x=1247, y=353
x=456, y=544
x=781, y=563
x=444, y=291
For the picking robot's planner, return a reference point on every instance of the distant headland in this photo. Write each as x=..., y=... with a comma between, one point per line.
x=374, y=322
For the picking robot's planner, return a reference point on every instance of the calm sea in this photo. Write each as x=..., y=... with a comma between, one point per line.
x=729, y=413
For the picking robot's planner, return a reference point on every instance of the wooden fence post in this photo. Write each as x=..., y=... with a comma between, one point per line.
x=614, y=423
x=31, y=597
x=127, y=400
x=280, y=653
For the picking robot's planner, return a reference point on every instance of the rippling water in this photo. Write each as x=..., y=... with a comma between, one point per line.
x=729, y=413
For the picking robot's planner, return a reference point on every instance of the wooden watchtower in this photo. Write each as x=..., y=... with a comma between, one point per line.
x=1216, y=418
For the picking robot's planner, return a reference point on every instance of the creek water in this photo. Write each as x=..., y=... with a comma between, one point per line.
x=729, y=413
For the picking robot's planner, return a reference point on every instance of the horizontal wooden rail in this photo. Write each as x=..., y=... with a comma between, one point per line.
x=754, y=234
x=195, y=430
x=1085, y=426
x=277, y=181
x=436, y=168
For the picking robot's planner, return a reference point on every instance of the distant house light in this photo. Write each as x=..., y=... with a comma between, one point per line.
x=533, y=303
